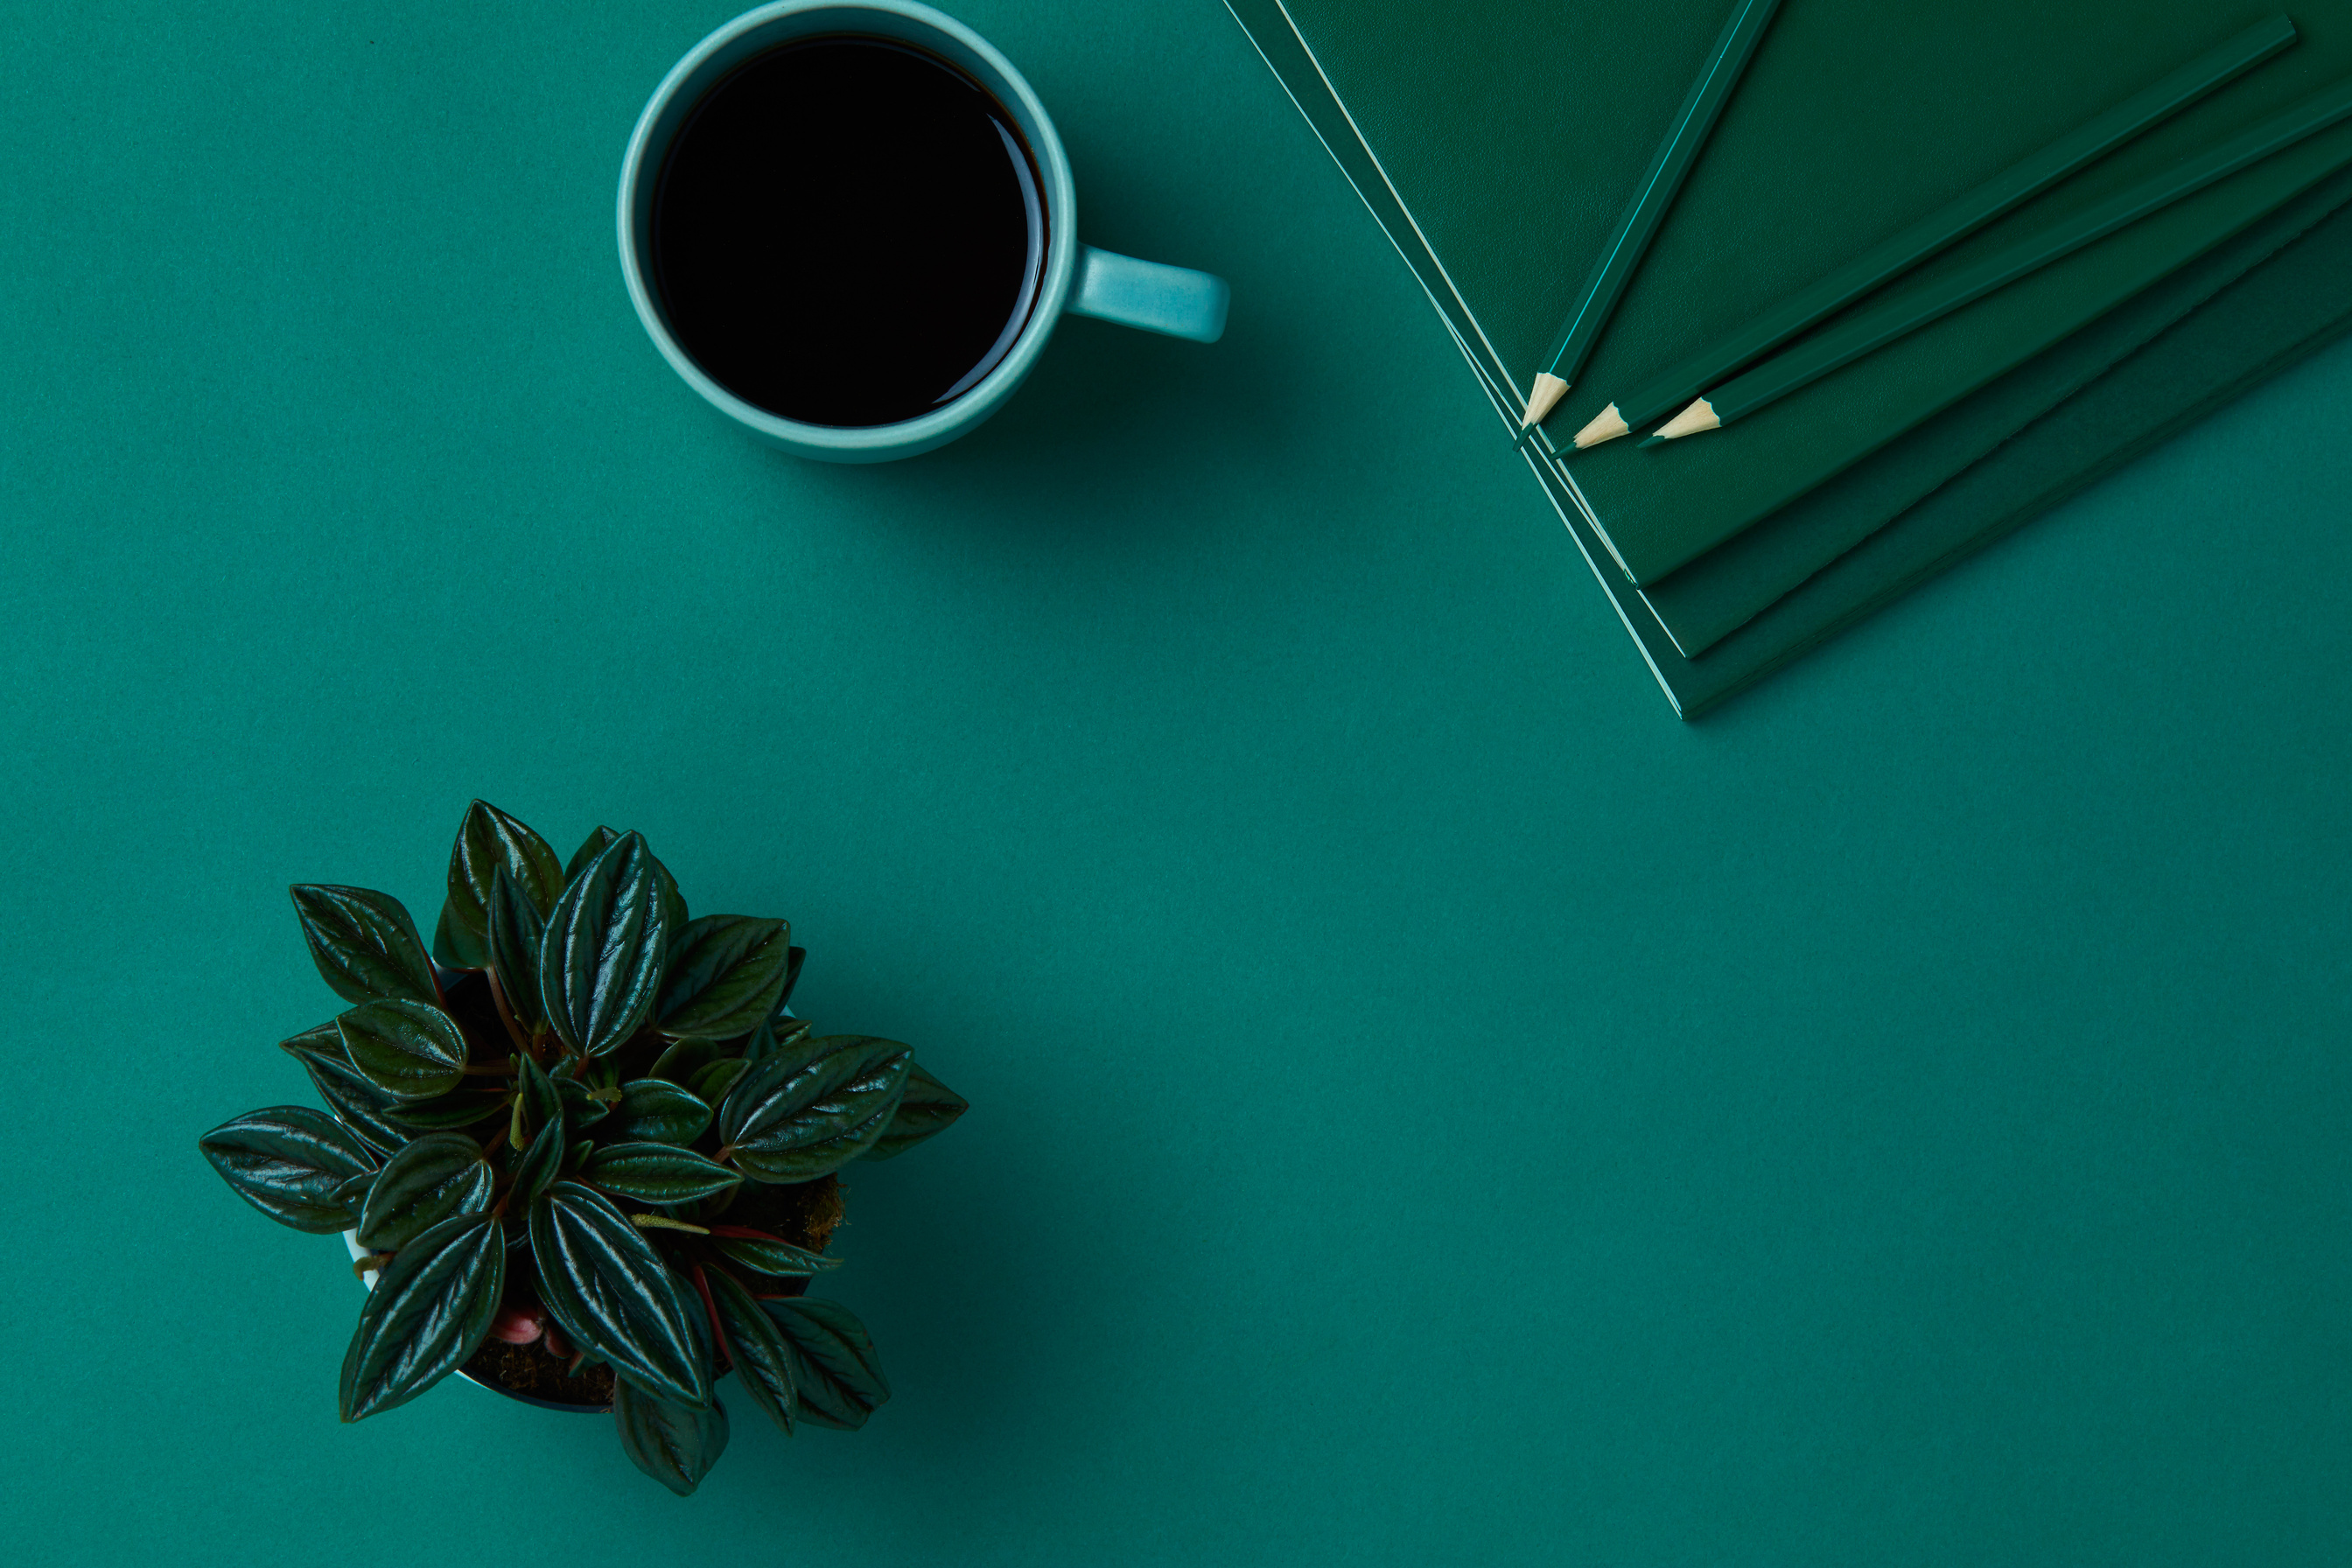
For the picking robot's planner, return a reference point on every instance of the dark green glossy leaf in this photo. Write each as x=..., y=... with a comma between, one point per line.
x=411, y=1050
x=357, y=1103
x=653, y=1112
x=454, y=947
x=792, y=962
x=764, y=1360
x=609, y=1289
x=430, y=1309
x=797, y=1039
x=318, y=1040
x=292, y=1163
x=681, y=1060
x=516, y=932
x=543, y=1109
x=767, y=1254
x=675, y=1443
x=658, y=1173
x=673, y=903
x=437, y=1177
x=582, y=1109
x=711, y=1084
x=490, y=842
x=364, y=945
x=725, y=977
x=600, y=962
x=808, y=1110
x=777, y=1034
x=705, y=1346
x=926, y=1107
x=463, y=1108
x=540, y=1163
x=579, y=1156
x=585, y=856
x=542, y=1102
x=835, y=1372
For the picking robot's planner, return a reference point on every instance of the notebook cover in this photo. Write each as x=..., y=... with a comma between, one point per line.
x=1828, y=601
x=1516, y=129
x=1723, y=590
x=2286, y=310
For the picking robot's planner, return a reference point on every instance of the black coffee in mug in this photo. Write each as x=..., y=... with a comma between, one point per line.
x=848, y=231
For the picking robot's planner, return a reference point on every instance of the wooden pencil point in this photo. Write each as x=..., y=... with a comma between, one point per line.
x=1542, y=398
x=1651, y=441
x=1699, y=416
x=1605, y=426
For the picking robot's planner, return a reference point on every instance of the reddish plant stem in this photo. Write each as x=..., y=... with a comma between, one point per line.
x=506, y=1014
x=718, y=1330
x=490, y=1141
x=741, y=1283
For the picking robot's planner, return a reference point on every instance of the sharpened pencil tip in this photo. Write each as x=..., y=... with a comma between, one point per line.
x=1654, y=441
x=1605, y=426
x=1542, y=398
x=1699, y=416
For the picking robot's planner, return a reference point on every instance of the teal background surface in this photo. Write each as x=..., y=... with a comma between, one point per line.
x=1429, y=1105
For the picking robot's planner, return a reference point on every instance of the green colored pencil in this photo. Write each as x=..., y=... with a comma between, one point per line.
x=1621, y=256
x=1879, y=325
x=1942, y=229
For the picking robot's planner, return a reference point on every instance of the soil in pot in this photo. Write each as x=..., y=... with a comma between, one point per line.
x=532, y=1372
x=805, y=1213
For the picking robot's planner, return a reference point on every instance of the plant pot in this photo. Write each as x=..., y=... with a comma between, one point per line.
x=483, y=1369
x=484, y=1378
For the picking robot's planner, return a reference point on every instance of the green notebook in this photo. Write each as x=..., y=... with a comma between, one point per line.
x=2286, y=310
x=1723, y=590
x=1457, y=199
x=1854, y=117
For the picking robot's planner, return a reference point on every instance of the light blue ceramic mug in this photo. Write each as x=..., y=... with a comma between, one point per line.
x=1078, y=278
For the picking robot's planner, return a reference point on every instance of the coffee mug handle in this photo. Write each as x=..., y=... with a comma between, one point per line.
x=1176, y=300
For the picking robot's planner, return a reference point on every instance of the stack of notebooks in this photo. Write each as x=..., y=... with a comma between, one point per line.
x=1501, y=145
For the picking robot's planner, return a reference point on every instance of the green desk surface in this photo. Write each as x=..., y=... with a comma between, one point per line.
x=1429, y=1105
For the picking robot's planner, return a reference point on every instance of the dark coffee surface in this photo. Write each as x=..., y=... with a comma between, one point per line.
x=848, y=231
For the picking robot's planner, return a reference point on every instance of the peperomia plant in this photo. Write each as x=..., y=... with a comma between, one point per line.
x=590, y=1131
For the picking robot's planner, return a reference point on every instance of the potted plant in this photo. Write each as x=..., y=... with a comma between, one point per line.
x=587, y=1156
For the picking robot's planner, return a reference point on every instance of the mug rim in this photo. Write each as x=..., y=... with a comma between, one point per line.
x=908, y=436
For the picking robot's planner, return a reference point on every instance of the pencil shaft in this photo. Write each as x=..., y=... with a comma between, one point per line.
x=1879, y=325
x=1621, y=256
x=1958, y=219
